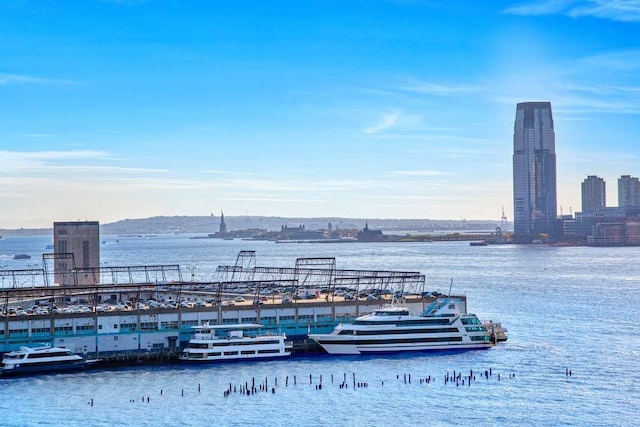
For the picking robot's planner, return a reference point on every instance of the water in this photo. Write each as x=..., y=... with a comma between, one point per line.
x=566, y=308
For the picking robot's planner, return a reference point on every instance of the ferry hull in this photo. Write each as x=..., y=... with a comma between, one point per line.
x=45, y=369
x=230, y=359
x=350, y=349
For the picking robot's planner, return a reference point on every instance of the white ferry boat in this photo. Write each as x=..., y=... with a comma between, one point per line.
x=31, y=360
x=442, y=326
x=223, y=343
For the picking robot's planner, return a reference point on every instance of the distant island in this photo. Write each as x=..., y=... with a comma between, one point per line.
x=237, y=225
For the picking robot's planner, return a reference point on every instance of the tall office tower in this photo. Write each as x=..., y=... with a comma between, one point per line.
x=534, y=172
x=628, y=191
x=76, y=246
x=594, y=193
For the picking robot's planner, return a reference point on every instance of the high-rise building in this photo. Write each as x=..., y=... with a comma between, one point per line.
x=594, y=193
x=534, y=172
x=76, y=246
x=628, y=191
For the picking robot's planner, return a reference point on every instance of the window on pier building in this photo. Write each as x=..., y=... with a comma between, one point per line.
x=85, y=254
x=184, y=323
x=128, y=326
x=148, y=326
x=170, y=324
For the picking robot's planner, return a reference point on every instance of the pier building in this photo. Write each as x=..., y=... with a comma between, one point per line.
x=124, y=313
x=76, y=244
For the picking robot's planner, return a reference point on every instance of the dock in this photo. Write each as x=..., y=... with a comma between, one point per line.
x=126, y=317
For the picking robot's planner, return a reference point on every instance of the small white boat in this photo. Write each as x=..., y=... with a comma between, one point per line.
x=223, y=343
x=31, y=360
x=497, y=331
x=442, y=326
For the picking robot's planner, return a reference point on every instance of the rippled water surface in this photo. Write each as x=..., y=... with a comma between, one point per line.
x=574, y=308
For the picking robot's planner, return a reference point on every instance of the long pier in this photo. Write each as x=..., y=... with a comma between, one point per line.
x=127, y=319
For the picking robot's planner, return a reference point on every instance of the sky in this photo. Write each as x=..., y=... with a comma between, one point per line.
x=114, y=109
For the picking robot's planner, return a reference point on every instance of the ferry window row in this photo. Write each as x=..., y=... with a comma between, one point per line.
x=401, y=331
x=225, y=344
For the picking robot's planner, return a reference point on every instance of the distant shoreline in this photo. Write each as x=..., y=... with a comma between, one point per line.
x=210, y=224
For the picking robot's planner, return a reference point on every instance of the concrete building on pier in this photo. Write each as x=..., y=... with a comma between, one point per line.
x=76, y=245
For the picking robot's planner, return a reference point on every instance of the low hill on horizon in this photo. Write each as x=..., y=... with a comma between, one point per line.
x=211, y=224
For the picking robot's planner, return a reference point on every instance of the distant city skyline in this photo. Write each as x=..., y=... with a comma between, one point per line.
x=377, y=109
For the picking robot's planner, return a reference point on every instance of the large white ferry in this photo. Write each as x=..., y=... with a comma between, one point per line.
x=220, y=343
x=30, y=360
x=442, y=326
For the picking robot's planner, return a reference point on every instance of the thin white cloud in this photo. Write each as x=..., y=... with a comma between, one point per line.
x=421, y=173
x=614, y=91
x=615, y=10
x=54, y=155
x=536, y=8
x=387, y=121
x=100, y=169
x=38, y=135
x=8, y=79
x=443, y=89
x=274, y=199
x=218, y=172
x=613, y=62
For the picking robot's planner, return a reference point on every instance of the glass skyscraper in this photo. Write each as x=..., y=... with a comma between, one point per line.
x=534, y=172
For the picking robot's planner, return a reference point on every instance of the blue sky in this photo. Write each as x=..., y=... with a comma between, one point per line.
x=352, y=108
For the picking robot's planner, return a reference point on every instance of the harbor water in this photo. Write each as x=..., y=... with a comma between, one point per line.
x=571, y=358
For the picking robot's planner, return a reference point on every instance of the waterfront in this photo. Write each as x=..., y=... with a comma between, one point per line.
x=572, y=308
